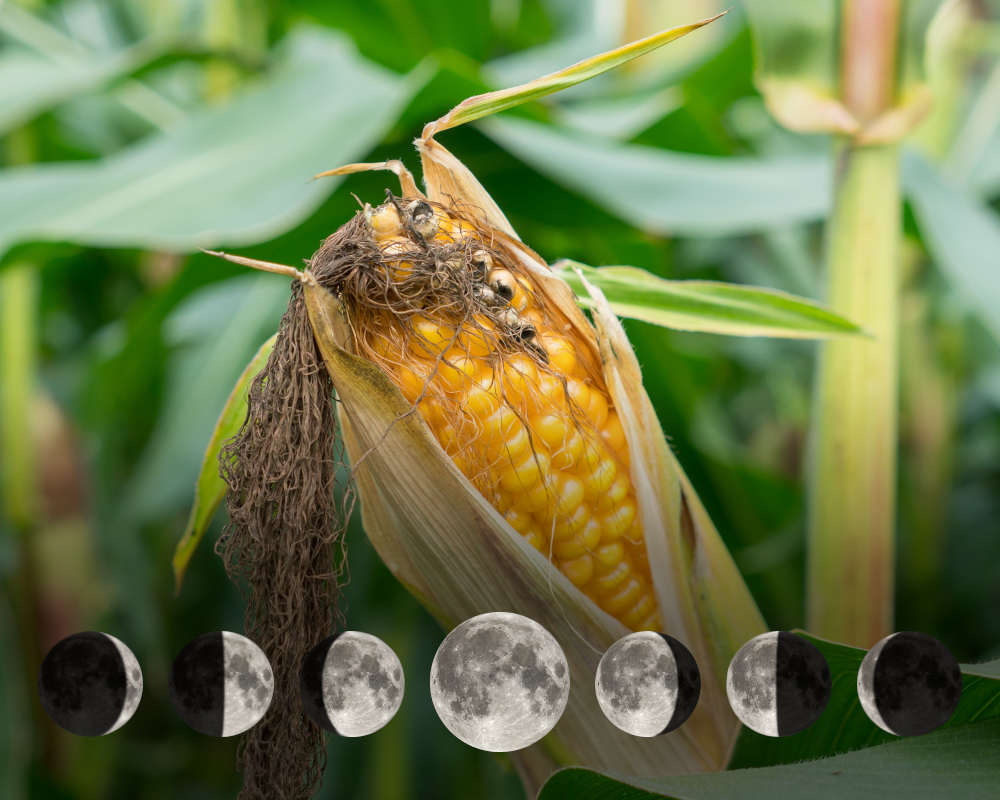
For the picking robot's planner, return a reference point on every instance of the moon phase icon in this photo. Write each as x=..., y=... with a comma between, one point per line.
x=499, y=682
x=90, y=683
x=909, y=684
x=221, y=684
x=778, y=684
x=647, y=683
x=351, y=683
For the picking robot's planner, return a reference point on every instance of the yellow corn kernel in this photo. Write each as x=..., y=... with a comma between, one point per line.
x=606, y=581
x=385, y=221
x=518, y=520
x=526, y=473
x=568, y=525
x=582, y=542
x=616, y=494
x=626, y=594
x=600, y=478
x=579, y=570
x=567, y=493
x=534, y=500
x=642, y=615
x=561, y=353
x=615, y=523
x=608, y=555
x=536, y=540
x=432, y=337
x=614, y=435
x=571, y=453
x=514, y=446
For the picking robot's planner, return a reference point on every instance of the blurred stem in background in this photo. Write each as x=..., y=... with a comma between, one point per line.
x=852, y=480
x=19, y=285
x=929, y=388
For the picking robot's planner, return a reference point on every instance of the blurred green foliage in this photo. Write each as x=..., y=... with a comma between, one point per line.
x=135, y=132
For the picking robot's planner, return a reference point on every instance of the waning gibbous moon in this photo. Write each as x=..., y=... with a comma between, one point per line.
x=647, y=683
x=499, y=682
x=221, y=684
x=909, y=684
x=351, y=683
x=90, y=683
x=778, y=684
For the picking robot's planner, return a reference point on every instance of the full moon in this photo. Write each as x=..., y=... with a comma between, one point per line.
x=778, y=684
x=351, y=683
x=499, y=682
x=90, y=683
x=221, y=684
x=647, y=683
x=909, y=684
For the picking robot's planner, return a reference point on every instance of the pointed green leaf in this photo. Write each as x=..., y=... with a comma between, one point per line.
x=953, y=762
x=707, y=306
x=484, y=105
x=210, y=489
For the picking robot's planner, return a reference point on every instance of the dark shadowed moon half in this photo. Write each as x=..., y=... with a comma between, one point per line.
x=909, y=684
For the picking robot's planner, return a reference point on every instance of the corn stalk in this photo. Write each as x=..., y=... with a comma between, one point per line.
x=852, y=481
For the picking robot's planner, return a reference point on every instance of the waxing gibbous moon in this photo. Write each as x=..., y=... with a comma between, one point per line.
x=90, y=683
x=499, y=682
x=221, y=684
x=909, y=684
x=647, y=683
x=351, y=683
x=778, y=684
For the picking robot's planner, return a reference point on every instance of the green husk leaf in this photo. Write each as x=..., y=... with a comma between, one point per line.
x=484, y=105
x=210, y=489
x=706, y=306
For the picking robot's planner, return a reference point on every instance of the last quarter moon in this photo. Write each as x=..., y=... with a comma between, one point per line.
x=909, y=684
x=221, y=684
x=499, y=682
x=647, y=683
x=778, y=684
x=90, y=684
x=351, y=683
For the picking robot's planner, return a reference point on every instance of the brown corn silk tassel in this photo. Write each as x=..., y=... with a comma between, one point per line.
x=284, y=540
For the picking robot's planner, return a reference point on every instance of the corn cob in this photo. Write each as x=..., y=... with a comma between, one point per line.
x=518, y=405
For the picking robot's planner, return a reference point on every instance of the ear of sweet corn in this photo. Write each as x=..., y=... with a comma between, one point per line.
x=507, y=457
x=534, y=479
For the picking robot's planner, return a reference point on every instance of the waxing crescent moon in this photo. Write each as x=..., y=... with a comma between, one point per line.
x=909, y=684
x=90, y=683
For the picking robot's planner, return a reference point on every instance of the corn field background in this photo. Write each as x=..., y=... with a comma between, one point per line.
x=134, y=133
